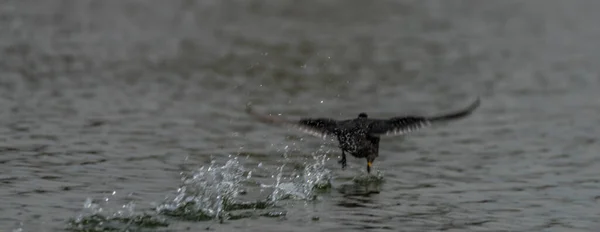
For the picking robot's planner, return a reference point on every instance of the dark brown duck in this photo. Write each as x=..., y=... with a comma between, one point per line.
x=360, y=136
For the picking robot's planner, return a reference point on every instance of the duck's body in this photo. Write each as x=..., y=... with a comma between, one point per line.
x=354, y=138
x=360, y=137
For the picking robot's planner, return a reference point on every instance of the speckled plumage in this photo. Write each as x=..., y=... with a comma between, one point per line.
x=360, y=136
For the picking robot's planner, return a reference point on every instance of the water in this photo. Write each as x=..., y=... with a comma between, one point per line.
x=128, y=115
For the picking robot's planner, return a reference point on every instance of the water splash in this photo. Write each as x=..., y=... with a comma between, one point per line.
x=102, y=207
x=206, y=191
x=97, y=216
x=305, y=183
x=275, y=193
x=211, y=193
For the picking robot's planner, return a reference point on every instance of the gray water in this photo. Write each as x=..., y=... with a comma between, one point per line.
x=128, y=115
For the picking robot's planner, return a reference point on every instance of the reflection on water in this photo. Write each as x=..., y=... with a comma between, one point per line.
x=362, y=186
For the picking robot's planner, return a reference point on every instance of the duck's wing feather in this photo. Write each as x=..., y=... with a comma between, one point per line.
x=397, y=125
x=319, y=127
x=406, y=124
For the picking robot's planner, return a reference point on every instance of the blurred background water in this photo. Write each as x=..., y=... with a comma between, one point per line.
x=128, y=115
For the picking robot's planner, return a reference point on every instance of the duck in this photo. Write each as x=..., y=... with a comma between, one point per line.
x=360, y=136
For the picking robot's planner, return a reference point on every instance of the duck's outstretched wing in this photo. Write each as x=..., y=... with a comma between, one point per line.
x=319, y=127
x=406, y=124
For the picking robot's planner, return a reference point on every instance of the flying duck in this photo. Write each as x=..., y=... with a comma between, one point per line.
x=360, y=136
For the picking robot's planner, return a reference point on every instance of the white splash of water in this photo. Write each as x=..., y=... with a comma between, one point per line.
x=302, y=185
x=209, y=188
x=275, y=195
x=103, y=207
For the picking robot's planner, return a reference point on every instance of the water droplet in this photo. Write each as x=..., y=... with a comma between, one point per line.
x=321, y=101
x=88, y=203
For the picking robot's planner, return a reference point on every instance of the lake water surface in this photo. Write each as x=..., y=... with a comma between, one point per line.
x=129, y=115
